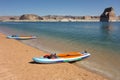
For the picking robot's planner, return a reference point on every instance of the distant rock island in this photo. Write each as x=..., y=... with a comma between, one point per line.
x=30, y=17
x=108, y=15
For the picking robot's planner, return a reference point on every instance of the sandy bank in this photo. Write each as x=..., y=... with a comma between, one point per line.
x=15, y=64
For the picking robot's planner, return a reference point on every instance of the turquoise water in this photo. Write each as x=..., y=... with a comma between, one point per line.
x=102, y=40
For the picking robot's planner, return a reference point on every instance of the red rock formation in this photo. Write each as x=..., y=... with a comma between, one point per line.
x=108, y=15
x=87, y=17
x=30, y=17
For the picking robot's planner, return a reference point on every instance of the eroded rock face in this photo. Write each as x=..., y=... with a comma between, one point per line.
x=30, y=17
x=87, y=17
x=108, y=15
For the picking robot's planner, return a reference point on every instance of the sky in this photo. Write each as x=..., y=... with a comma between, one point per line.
x=57, y=7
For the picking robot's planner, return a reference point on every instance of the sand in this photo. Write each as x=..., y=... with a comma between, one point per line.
x=16, y=64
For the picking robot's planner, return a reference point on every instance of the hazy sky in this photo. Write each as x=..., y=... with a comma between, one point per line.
x=57, y=7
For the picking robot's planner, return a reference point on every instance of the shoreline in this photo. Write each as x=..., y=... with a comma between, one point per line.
x=56, y=21
x=96, y=72
x=16, y=64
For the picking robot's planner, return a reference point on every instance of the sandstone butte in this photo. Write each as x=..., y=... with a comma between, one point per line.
x=108, y=15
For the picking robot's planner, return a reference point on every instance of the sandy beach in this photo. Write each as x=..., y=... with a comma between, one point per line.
x=16, y=64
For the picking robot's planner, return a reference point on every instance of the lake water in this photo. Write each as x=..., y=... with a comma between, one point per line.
x=102, y=40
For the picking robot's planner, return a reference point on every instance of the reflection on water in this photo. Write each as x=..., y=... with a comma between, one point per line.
x=106, y=27
x=106, y=30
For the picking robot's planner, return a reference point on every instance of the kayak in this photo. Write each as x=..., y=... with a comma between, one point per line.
x=21, y=37
x=62, y=57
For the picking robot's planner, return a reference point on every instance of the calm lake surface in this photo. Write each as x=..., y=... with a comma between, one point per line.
x=102, y=40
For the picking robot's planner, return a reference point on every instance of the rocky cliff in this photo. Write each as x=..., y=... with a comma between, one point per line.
x=108, y=15
x=30, y=17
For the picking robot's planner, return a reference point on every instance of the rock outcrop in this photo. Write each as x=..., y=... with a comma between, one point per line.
x=108, y=15
x=118, y=17
x=87, y=17
x=30, y=17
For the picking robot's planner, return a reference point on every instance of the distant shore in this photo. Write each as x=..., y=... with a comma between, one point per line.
x=54, y=21
x=50, y=21
x=57, y=18
x=16, y=64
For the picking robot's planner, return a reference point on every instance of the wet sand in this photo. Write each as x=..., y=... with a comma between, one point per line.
x=16, y=64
